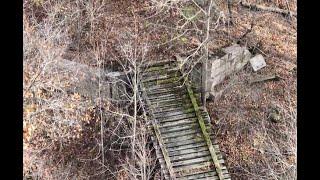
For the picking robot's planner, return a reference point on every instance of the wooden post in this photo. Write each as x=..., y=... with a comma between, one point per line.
x=204, y=79
x=205, y=53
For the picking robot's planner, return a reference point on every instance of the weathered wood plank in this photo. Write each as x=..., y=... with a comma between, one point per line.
x=190, y=169
x=169, y=97
x=165, y=124
x=160, y=157
x=178, y=90
x=158, y=63
x=188, y=151
x=160, y=77
x=170, y=114
x=173, y=85
x=211, y=174
x=192, y=161
x=189, y=156
x=176, y=118
x=172, y=104
x=195, y=137
x=209, y=177
x=174, y=108
x=198, y=175
x=180, y=133
x=164, y=102
x=155, y=86
x=163, y=97
x=179, y=127
x=186, y=142
x=156, y=73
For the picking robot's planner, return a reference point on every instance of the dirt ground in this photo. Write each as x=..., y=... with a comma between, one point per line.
x=255, y=124
x=257, y=146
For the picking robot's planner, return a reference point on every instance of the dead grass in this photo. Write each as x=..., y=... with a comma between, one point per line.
x=61, y=129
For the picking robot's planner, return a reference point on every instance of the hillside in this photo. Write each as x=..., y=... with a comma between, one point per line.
x=72, y=130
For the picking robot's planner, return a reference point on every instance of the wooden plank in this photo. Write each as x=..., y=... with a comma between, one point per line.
x=172, y=103
x=169, y=80
x=188, y=151
x=184, y=125
x=152, y=74
x=162, y=86
x=173, y=81
x=216, y=147
x=166, y=92
x=162, y=97
x=175, y=103
x=158, y=63
x=160, y=77
x=179, y=90
x=160, y=157
x=181, y=143
x=226, y=174
x=190, y=169
x=180, y=133
x=192, y=161
x=169, y=114
x=183, y=138
x=177, y=123
x=201, y=175
x=186, y=146
x=170, y=108
x=155, y=85
x=156, y=73
x=209, y=177
x=176, y=118
x=168, y=97
x=190, y=156
x=157, y=103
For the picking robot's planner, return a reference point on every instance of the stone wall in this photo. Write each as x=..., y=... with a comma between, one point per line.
x=85, y=80
x=230, y=60
x=233, y=58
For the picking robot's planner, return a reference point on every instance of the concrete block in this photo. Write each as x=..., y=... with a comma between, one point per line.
x=233, y=60
x=233, y=49
x=257, y=62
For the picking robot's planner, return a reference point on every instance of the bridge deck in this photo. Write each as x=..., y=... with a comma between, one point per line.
x=181, y=130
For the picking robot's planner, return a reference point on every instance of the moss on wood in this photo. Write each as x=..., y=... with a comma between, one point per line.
x=206, y=136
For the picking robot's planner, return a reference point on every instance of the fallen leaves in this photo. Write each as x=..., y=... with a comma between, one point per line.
x=30, y=108
x=28, y=130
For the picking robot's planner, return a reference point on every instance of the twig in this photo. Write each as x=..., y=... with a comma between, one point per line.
x=265, y=78
x=230, y=12
x=264, y=8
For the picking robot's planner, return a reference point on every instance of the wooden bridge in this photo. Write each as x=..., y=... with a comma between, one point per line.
x=181, y=127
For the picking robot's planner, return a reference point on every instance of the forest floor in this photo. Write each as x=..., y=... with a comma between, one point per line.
x=255, y=124
x=256, y=145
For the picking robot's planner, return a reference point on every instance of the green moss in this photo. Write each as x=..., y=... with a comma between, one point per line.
x=189, y=12
x=146, y=24
x=188, y=110
x=154, y=68
x=183, y=40
x=204, y=130
x=169, y=80
x=38, y=2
